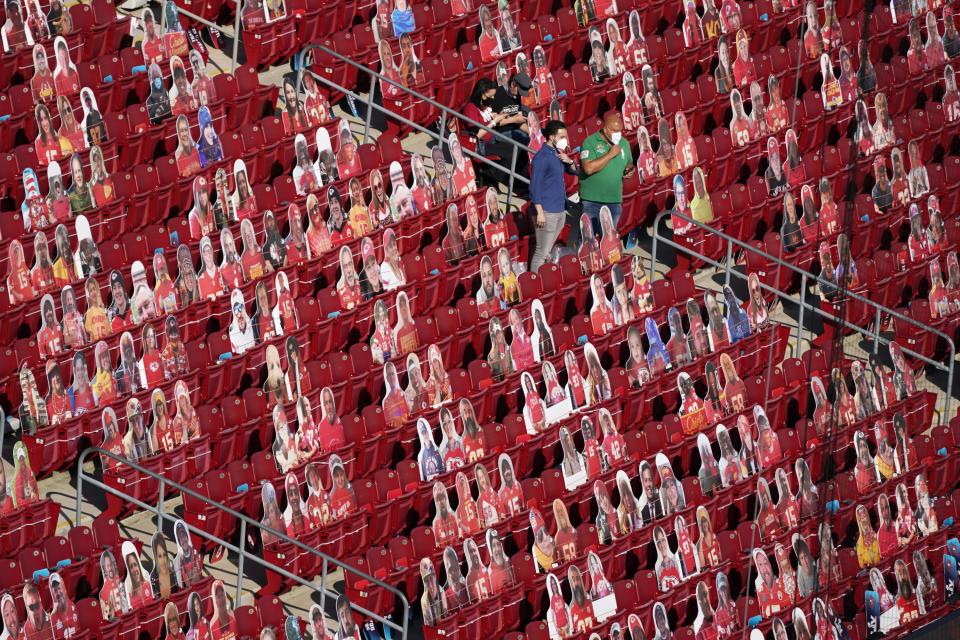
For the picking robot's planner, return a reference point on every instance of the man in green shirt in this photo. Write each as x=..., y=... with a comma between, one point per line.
x=605, y=160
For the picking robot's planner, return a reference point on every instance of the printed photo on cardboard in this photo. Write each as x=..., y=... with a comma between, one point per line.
x=253, y=14
x=15, y=33
x=114, y=600
x=174, y=38
x=402, y=18
x=489, y=40
x=152, y=45
x=274, y=10
x=348, y=158
x=181, y=96
x=202, y=88
x=41, y=84
x=209, y=148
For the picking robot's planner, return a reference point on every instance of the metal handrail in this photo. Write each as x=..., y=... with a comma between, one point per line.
x=235, y=35
x=241, y=551
x=445, y=111
x=416, y=94
x=806, y=278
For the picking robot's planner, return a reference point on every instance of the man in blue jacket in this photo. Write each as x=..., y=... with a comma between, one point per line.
x=547, y=192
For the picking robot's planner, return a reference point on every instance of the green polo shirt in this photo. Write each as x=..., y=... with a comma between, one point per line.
x=604, y=186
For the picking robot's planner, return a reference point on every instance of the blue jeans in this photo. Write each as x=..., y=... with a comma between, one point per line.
x=592, y=209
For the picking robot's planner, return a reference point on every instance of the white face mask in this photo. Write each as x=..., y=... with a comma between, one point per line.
x=562, y=144
x=615, y=137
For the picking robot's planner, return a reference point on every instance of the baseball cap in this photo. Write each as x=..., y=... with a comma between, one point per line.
x=523, y=82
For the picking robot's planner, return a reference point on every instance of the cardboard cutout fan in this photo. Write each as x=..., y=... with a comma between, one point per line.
x=58, y=400
x=114, y=600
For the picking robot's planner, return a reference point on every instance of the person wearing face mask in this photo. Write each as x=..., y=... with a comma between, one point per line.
x=481, y=109
x=509, y=100
x=547, y=192
x=607, y=161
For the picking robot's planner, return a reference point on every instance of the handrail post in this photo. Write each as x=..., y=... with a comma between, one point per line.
x=243, y=555
x=443, y=124
x=323, y=583
x=236, y=40
x=79, y=504
x=803, y=307
x=513, y=171
x=727, y=261
x=876, y=332
x=653, y=248
x=945, y=419
x=160, y=498
x=369, y=114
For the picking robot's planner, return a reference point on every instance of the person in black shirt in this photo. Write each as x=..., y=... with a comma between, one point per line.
x=509, y=99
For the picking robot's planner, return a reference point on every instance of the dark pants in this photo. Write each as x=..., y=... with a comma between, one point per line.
x=503, y=149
